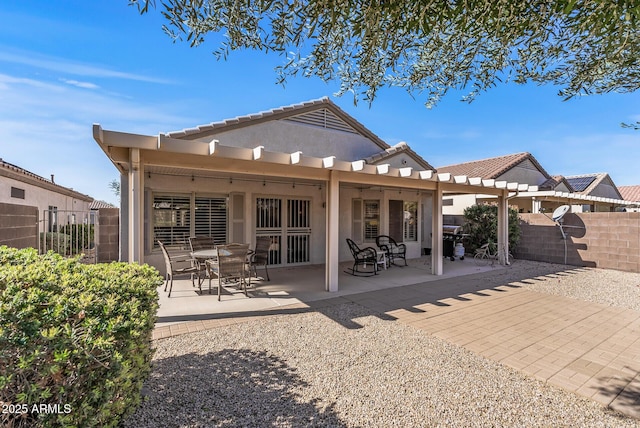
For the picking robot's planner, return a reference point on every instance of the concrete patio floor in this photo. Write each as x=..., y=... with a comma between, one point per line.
x=586, y=348
x=293, y=285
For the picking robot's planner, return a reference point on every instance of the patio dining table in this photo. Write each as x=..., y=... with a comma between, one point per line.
x=209, y=257
x=211, y=254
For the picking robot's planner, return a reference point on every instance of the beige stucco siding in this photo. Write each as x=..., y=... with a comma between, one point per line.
x=288, y=137
x=39, y=197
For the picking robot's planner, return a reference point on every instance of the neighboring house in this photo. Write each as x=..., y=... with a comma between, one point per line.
x=598, y=185
x=585, y=193
x=53, y=202
x=308, y=176
x=30, y=205
x=96, y=206
x=632, y=194
x=518, y=167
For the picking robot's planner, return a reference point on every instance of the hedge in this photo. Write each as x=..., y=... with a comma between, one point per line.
x=481, y=223
x=75, y=339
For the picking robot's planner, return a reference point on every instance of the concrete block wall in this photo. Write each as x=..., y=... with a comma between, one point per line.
x=18, y=225
x=108, y=235
x=600, y=239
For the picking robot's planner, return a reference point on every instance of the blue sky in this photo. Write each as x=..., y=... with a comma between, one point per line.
x=65, y=65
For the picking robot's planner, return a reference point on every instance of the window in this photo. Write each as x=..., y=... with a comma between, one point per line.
x=211, y=218
x=177, y=217
x=371, y=220
x=171, y=219
x=410, y=226
x=403, y=225
x=17, y=193
x=52, y=217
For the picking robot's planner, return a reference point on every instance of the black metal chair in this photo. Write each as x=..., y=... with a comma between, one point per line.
x=260, y=256
x=363, y=257
x=173, y=270
x=392, y=249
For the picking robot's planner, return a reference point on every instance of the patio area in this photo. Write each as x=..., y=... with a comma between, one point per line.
x=588, y=348
x=291, y=286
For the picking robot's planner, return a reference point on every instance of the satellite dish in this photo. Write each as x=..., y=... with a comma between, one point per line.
x=560, y=212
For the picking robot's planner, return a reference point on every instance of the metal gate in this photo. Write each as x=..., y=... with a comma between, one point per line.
x=69, y=233
x=288, y=223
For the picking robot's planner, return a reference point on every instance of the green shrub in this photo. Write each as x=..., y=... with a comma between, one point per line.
x=70, y=240
x=74, y=336
x=82, y=236
x=55, y=241
x=481, y=223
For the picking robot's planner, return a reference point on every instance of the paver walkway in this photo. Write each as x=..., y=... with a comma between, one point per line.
x=587, y=348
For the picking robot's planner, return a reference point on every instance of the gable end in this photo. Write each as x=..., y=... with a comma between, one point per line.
x=322, y=118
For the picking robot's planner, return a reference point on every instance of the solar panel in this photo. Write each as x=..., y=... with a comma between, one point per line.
x=581, y=183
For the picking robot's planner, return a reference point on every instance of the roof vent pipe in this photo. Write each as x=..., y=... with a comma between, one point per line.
x=52, y=179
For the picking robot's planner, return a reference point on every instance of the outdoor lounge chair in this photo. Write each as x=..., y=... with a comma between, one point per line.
x=230, y=267
x=363, y=257
x=173, y=270
x=260, y=256
x=392, y=249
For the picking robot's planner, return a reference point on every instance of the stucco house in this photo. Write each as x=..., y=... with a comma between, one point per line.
x=598, y=185
x=632, y=194
x=589, y=192
x=519, y=167
x=22, y=187
x=30, y=204
x=307, y=175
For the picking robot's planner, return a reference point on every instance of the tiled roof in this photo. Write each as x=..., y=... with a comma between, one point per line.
x=21, y=174
x=302, y=112
x=96, y=205
x=630, y=193
x=275, y=113
x=585, y=183
x=554, y=182
x=490, y=168
x=393, y=150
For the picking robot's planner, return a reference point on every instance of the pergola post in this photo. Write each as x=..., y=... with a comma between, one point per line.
x=436, y=235
x=332, y=231
x=503, y=228
x=135, y=192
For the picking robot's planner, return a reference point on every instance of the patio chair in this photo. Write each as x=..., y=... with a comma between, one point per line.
x=201, y=243
x=392, y=249
x=230, y=267
x=363, y=257
x=260, y=256
x=173, y=270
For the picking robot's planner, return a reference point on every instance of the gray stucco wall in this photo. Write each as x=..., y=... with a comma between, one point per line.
x=288, y=137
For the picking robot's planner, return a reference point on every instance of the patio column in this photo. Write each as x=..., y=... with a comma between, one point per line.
x=135, y=196
x=503, y=227
x=436, y=236
x=332, y=229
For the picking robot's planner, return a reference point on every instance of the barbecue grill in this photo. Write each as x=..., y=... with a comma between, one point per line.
x=452, y=236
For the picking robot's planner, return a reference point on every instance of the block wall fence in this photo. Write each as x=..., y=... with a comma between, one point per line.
x=603, y=240
x=108, y=235
x=18, y=225
x=19, y=229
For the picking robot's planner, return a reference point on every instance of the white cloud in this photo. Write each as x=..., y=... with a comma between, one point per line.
x=84, y=85
x=46, y=128
x=64, y=65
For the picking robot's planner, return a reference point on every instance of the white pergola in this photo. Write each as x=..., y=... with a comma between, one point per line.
x=132, y=153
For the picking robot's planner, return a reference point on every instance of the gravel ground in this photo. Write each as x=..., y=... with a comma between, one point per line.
x=309, y=370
